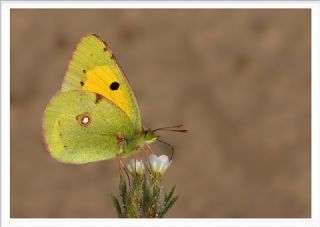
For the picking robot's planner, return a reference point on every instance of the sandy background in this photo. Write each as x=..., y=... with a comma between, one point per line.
x=239, y=80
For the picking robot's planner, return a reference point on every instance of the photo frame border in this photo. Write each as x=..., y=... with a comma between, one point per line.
x=6, y=221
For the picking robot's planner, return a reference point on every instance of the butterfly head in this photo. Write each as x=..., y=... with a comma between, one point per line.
x=150, y=136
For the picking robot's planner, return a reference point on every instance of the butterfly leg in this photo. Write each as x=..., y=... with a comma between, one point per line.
x=122, y=142
x=147, y=150
x=135, y=162
x=125, y=170
x=118, y=164
x=121, y=165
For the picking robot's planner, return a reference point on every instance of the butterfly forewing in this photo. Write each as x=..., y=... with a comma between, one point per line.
x=94, y=68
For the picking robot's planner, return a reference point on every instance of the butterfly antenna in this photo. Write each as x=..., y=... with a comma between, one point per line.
x=169, y=145
x=171, y=128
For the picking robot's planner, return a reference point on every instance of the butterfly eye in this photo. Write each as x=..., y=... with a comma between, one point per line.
x=84, y=119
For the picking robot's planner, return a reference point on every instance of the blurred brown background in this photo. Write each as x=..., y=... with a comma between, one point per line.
x=239, y=80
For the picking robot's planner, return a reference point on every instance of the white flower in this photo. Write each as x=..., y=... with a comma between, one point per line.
x=159, y=164
x=136, y=166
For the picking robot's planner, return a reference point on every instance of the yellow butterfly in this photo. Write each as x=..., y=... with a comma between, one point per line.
x=95, y=115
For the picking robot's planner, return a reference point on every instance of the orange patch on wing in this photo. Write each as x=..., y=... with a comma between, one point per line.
x=101, y=80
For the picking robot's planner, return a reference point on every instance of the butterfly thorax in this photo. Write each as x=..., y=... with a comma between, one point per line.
x=137, y=142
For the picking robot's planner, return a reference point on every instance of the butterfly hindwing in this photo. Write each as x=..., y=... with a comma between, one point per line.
x=82, y=126
x=94, y=68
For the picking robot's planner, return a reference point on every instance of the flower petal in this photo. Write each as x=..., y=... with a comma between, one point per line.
x=159, y=164
x=153, y=160
x=163, y=161
x=129, y=168
x=140, y=167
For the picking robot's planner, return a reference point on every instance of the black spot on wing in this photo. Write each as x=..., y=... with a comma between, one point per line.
x=98, y=98
x=81, y=83
x=114, y=85
x=84, y=71
x=105, y=49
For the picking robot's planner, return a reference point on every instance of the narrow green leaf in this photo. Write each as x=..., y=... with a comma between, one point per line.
x=169, y=196
x=135, y=182
x=146, y=198
x=122, y=186
x=116, y=206
x=123, y=194
x=167, y=206
x=136, y=194
x=130, y=208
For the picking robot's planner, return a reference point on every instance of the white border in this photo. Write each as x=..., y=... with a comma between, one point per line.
x=5, y=114
x=160, y=4
x=315, y=114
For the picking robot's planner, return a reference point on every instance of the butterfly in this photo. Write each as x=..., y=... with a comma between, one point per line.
x=95, y=115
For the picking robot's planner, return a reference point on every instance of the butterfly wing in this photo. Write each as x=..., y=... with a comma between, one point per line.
x=82, y=126
x=94, y=68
